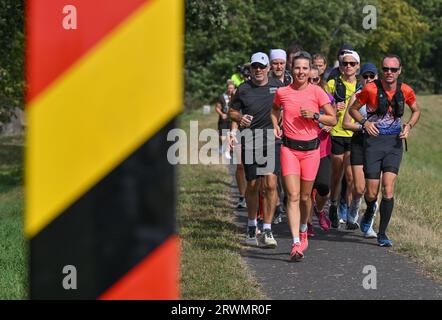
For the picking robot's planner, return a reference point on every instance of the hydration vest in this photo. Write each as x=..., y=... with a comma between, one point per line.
x=397, y=103
x=340, y=93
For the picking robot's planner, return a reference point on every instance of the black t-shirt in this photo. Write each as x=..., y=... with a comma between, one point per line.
x=256, y=101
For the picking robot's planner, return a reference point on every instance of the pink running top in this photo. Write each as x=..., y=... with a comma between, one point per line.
x=296, y=127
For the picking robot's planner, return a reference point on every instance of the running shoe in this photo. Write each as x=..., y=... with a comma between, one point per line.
x=269, y=240
x=383, y=241
x=310, y=231
x=278, y=215
x=324, y=222
x=241, y=203
x=333, y=216
x=352, y=226
x=370, y=234
x=352, y=221
x=304, y=240
x=296, y=254
x=368, y=219
x=251, y=239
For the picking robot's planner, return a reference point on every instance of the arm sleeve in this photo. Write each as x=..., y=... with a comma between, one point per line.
x=277, y=98
x=322, y=97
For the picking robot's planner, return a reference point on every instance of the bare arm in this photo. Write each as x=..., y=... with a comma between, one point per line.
x=235, y=115
x=348, y=124
x=328, y=118
x=415, y=115
x=218, y=109
x=274, y=115
x=369, y=126
x=242, y=120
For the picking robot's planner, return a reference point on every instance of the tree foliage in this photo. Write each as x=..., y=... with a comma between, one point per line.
x=221, y=34
x=11, y=56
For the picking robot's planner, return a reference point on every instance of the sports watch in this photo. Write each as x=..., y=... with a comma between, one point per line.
x=362, y=121
x=316, y=116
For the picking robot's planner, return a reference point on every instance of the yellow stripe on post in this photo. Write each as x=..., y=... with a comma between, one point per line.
x=80, y=132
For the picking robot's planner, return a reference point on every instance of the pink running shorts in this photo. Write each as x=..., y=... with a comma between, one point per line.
x=302, y=163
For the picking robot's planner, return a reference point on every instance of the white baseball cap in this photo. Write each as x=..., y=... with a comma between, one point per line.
x=260, y=57
x=350, y=53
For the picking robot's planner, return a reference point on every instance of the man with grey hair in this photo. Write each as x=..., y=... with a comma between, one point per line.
x=278, y=61
x=250, y=108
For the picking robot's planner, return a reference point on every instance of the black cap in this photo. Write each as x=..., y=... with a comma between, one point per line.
x=345, y=47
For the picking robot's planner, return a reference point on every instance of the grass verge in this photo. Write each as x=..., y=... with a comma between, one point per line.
x=211, y=265
x=13, y=256
x=417, y=219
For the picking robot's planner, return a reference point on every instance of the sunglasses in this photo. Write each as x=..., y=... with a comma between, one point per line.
x=392, y=70
x=368, y=75
x=345, y=63
x=313, y=80
x=258, y=65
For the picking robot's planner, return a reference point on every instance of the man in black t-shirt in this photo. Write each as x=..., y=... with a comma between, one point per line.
x=250, y=108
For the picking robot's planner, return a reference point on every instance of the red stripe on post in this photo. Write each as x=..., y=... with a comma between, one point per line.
x=46, y=35
x=155, y=278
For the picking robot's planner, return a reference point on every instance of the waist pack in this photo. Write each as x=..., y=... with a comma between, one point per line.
x=300, y=144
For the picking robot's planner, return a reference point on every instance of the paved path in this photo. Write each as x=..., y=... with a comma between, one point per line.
x=333, y=267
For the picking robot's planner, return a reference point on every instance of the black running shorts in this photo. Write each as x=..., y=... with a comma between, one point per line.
x=357, y=149
x=252, y=168
x=223, y=125
x=382, y=154
x=340, y=145
x=322, y=182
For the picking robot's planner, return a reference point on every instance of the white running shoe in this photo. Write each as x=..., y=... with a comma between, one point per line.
x=269, y=240
x=370, y=234
x=251, y=239
x=241, y=204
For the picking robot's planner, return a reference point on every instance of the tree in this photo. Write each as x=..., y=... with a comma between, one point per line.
x=11, y=57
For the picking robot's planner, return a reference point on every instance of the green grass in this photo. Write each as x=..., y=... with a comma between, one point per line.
x=13, y=256
x=212, y=267
x=417, y=220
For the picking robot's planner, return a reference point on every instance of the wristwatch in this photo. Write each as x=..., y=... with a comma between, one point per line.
x=362, y=121
x=316, y=116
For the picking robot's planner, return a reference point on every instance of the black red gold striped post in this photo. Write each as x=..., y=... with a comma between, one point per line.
x=100, y=193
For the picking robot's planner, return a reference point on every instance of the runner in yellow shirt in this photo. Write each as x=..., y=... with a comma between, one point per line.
x=342, y=88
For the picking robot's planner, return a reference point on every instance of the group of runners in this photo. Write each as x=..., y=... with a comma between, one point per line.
x=332, y=137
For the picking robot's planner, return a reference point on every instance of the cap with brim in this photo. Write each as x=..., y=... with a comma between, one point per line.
x=350, y=53
x=369, y=67
x=260, y=57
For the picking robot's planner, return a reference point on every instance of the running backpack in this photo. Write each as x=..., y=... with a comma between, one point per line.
x=340, y=90
x=340, y=93
x=397, y=103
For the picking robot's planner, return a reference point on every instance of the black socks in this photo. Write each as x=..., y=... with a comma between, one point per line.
x=386, y=210
x=370, y=209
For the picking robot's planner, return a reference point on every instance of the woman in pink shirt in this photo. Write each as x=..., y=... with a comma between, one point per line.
x=300, y=154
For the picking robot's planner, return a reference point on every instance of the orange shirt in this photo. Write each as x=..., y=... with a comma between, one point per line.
x=386, y=124
x=369, y=95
